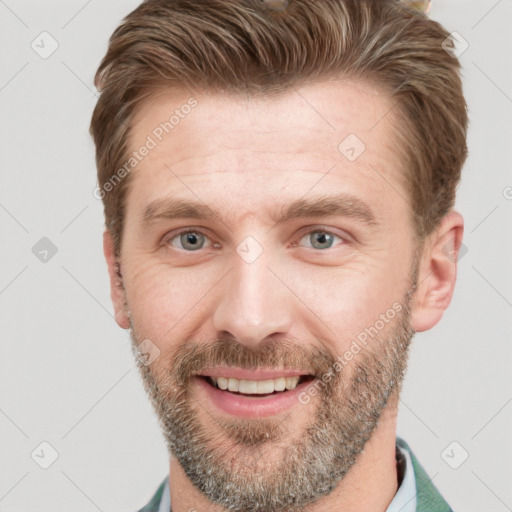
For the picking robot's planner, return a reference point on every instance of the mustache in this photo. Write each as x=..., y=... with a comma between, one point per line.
x=192, y=358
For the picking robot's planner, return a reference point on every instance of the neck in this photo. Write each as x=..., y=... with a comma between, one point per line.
x=369, y=486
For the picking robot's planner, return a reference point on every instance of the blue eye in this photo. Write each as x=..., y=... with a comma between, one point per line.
x=324, y=239
x=190, y=240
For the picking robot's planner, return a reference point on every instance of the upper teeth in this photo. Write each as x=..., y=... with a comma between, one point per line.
x=256, y=386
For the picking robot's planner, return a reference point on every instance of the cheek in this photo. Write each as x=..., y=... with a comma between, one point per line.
x=161, y=299
x=341, y=303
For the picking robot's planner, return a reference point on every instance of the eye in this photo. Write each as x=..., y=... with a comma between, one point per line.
x=192, y=240
x=320, y=239
x=189, y=240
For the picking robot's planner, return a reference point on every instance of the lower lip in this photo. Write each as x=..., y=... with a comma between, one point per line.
x=251, y=406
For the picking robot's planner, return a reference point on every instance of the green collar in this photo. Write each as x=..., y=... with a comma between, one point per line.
x=428, y=497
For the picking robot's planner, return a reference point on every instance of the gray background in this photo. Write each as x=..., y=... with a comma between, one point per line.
x=67, y=375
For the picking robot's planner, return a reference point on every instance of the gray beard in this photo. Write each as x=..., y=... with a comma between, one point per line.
x=235, y=465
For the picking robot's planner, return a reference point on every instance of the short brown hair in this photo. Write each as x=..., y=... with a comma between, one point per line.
x=244, y=46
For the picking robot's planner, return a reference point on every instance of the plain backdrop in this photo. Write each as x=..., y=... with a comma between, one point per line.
x=68, y=379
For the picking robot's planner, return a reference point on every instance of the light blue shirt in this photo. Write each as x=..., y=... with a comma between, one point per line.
x=405, y=497
x=404, y=500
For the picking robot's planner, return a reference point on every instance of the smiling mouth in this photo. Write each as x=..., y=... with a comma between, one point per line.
x=256, y=388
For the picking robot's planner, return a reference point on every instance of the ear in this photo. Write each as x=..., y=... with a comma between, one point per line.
x=437, y=272
x=116, y=282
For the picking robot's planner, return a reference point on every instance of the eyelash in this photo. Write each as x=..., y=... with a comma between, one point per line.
x=168, y=239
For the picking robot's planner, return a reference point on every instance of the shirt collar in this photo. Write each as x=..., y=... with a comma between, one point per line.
x=405, y=497
x=165, y=504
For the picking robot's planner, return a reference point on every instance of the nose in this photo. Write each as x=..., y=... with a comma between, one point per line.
x=254, y=303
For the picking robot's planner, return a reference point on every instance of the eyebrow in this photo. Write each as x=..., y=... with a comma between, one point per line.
x=342, y=205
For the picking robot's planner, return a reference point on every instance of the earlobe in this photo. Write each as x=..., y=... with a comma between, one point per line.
x=116, y=282
x=437, y=272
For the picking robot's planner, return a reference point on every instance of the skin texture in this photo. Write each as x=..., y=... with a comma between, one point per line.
x=301, y=300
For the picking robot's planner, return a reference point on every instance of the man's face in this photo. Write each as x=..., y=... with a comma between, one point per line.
x=259, y=296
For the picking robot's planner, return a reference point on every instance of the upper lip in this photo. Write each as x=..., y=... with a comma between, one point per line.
x=242, y=373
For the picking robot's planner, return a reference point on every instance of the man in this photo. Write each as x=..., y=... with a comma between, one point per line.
x=278, y=181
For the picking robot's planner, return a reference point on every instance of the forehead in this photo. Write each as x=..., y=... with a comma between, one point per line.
x=329, y=134
x=322, y=112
